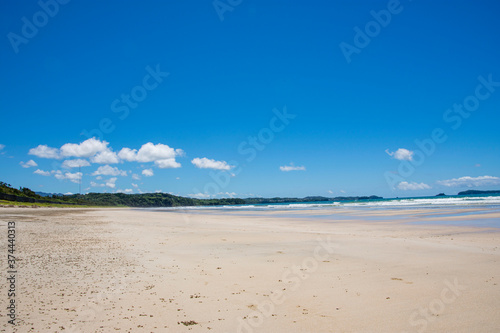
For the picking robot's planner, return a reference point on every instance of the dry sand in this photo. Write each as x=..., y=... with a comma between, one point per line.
x=124, y=270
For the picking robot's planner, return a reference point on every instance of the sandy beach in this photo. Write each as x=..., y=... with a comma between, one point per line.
x=126, y=270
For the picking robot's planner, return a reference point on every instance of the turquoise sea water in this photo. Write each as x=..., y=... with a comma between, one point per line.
x=458, y=201
x=417, y=210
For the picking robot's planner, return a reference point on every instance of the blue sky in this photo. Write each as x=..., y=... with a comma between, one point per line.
x=251, y=98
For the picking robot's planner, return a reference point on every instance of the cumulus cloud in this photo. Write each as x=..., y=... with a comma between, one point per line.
x=227, y=194
x=199, y=195
x=126, y=191
x=28, y=164
x=87, y=148
x=470, y=181
x=68, y=164
x=401, y=154
x=111, y=182
x=148, y=172
x=107, y=170
x=105, y=157
x=150, y=152
x=41, y=172
x=167, y=163
x=135, y=185
x=108, y=183
x=205, y=163
x=128, y=154
x=98, y=152
x=292, y=167
x=73, y=177
x=405, y=186
x=136, y=176
x=45, y=151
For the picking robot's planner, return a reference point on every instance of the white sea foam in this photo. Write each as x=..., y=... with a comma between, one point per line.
x=384, y=203
x=448, y=201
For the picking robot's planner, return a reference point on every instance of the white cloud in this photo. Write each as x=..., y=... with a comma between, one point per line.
x=41, y=172
x=105, y=157
x=108, y=183
x=470, y=181
x=167, y=163
x=73, y=177
x=136, y=176
x=2, y=146
x=205, y=163
x=148, y=172
x=87, y=148
x=401, y=154
x=330, y=191
x=150, y=152
x=126, y=191
x=135, y=185
x=111, y=182
x=98, y=177
x=227, y=194
x=128, y=154
x=68, y=164
x=45, y=151
x=292, y=167
x=99, y=152
x=413, y=186
x=28, y=164
x=199, y=195
x=107, y=170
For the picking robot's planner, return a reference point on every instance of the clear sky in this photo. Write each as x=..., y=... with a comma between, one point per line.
x=251, y=97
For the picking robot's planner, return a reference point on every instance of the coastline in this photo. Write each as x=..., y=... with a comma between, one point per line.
x=117, y=269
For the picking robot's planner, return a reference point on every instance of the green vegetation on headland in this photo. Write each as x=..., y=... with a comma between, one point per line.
x=7, y=192
x=306, y=199
x=25, y=196
x=469, y=192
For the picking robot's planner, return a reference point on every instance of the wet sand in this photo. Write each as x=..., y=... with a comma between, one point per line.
x=124, y=270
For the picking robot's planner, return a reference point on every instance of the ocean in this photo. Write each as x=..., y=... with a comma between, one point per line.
x=470, y=210
x=452, y=201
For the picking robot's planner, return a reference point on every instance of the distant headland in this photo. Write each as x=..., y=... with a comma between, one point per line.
x=469, y=192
